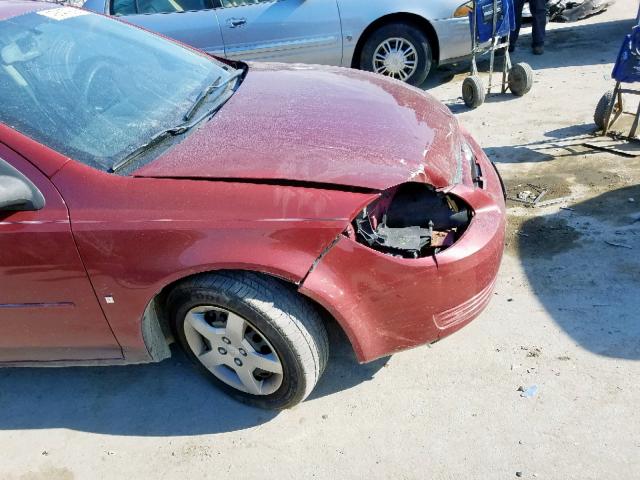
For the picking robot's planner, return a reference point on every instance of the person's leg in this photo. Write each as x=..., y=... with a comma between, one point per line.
x=513, y=38
x=539, y=22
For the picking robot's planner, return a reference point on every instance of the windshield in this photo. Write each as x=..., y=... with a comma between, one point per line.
x=93, y=88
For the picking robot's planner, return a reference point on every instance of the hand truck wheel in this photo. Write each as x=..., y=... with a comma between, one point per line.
x=473, y=91
x=605, y=109
x=520, y=79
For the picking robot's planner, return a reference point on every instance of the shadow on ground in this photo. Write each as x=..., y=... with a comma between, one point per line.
x=166, y=399
x=584, y=266
x=559, y=143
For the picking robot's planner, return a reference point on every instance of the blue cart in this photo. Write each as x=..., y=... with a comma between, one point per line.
x=491, y=22
x=625, y=71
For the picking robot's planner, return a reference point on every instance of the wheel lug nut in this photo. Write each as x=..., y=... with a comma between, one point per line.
x=226, y=340
x=222, y=351
x=242, y=352
x=238, y=362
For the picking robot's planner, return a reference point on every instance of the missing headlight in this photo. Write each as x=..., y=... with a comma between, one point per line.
x=411, y=221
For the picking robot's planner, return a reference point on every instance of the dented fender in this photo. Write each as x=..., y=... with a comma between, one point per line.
x=386, y=303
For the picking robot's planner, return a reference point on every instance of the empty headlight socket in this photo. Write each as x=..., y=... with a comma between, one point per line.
x=412, y=220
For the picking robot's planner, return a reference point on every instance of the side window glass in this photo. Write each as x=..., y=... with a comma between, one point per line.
x=124, y=7
x=242, y=3
x=133, y=7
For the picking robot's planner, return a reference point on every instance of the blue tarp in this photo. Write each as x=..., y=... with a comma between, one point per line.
x=627, y=67
x=484, y=28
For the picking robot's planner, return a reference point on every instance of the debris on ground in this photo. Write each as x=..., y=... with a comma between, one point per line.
x=534, y=352
x=574, y=10
x=530, y=197
x=528, y=392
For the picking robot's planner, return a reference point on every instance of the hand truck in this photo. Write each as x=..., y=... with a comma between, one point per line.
x=626, y=70
x=491, y=22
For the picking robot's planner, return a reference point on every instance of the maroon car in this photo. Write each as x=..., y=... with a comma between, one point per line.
x=150, y=192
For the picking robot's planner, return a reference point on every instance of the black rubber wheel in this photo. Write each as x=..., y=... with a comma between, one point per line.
x=272, y=310
x=473, y=91
x=412, y=38
x=520, y=79
x=604, y=109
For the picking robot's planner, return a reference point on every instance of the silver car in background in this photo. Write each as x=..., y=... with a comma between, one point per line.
x=401, y=39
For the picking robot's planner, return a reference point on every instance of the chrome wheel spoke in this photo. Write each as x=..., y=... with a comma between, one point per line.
x=247, y=379
x=235, y=328
x=200, y=325
x=268, y=363
x=212, y=359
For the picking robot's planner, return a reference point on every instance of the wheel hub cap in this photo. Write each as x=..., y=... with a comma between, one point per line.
x=395, y=57
x=233, y=350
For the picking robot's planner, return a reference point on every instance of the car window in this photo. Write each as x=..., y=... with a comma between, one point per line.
x=133, y=7
x=242, y=3
x=94, y=88
x=124, y=7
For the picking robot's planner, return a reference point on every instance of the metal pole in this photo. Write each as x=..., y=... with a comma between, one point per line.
x=493, y=42
x=474, y=67
x=614, y=100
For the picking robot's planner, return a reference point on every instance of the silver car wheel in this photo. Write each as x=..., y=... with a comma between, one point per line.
x=235, y=351
x=395, y=57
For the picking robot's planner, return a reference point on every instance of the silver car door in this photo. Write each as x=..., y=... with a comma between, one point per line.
x=306, y=31
x=193, y=22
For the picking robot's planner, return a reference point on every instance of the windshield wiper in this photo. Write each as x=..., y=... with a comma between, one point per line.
x=153, y=141
x=216, y=85
x=171, y=132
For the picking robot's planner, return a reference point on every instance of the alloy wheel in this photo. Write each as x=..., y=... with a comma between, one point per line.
x=233, y=350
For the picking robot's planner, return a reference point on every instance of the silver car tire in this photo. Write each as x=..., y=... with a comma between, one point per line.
x=398, y=50
x=254, y=336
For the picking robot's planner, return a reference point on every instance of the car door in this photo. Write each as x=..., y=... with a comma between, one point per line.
x=306, y=31
x=48, y=308
x=193, y=22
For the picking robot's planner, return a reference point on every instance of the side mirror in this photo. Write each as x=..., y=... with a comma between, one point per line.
x=17, y=193
x=14, y=194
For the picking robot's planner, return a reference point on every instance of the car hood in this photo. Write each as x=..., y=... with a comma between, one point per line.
x=321, y=125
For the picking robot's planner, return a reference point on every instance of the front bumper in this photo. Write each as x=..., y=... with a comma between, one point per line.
x=386, y=304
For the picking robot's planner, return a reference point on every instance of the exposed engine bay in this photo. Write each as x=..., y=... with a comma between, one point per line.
x=411, y=220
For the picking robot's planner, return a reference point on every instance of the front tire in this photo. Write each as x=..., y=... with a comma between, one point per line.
x=252, y=335
x=398, y=50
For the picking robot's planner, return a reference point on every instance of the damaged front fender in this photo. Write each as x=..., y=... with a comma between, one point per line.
x=387, y=302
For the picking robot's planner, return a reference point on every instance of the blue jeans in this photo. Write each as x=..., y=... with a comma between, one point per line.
x=539, y=22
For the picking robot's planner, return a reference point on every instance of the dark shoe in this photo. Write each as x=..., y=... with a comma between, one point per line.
x=538, y=49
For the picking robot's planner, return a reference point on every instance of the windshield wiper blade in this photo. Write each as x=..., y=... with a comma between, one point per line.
x=182, y=128
x=216, y=85
x=153, y=141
